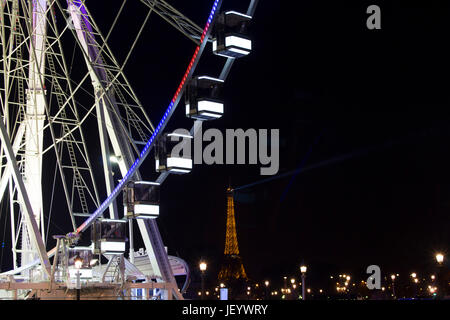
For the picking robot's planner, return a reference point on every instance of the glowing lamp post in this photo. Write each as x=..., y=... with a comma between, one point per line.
x=416, y=281
x=293, y=286
x=266, y=283
x=440, y=274
x=393, y=285
x=303, y=272
x=78, y=264
x=202, y=270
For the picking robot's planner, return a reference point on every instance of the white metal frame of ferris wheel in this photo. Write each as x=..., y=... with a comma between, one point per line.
x=28, y=114
x=38, y=98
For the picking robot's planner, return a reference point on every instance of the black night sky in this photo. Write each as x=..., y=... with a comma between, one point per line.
x=362, y=111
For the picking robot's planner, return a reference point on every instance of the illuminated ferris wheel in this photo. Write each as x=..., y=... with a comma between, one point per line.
x=46, y=109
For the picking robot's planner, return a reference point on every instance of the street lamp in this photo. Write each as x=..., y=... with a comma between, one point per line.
x=416, y=281
x=393, y=284
x=440, y=274
x=293, y=285
x=303, y=271
x=203, y=266
x=78, y=262
x=266, y=283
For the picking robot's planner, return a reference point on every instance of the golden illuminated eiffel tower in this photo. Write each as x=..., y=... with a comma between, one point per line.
x=232, y=267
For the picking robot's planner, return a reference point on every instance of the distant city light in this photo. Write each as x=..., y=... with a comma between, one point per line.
x=439, y=258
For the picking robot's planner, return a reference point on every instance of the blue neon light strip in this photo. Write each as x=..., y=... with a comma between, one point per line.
x=149, y=143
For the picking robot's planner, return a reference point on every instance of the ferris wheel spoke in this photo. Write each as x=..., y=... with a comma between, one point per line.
x=6, y=174
x=99, y=71
x=176, y=19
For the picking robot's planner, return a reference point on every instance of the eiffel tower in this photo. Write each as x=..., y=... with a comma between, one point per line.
x=232, y=268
